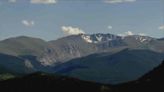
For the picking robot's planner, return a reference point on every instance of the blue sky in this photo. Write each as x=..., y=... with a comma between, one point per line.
x=52, y=19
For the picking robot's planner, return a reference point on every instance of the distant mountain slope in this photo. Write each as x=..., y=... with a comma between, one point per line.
x=64, y=49
x=67, y=48
x=22, y=46
x=14, y=64
x=75, y=46
x=102, y=53
x=151, y=82
x=157, y=45
x=4, y=70
x=161, y=39
x=126, y=65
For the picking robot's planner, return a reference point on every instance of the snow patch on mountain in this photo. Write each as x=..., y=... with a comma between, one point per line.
x=87, y=38
x=143, y=38
x=97, y=38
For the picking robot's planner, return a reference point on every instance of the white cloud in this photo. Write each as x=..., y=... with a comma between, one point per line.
x=28, y=23
x=110, y=27
x=43, y=1
x=142, y=34
x=68, y=30
x=118, y=1
x=12, y=1
x=128, y=33
x=161, y=27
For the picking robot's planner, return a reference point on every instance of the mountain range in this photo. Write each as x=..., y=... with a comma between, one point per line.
x=151, y=82
x=104, y=58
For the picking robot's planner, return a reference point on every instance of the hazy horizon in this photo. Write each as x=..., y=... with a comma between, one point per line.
x=66, y=36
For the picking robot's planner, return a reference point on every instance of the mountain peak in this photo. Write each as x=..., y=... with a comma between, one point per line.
x=141, y=38
x=24, y=38
x=99, y=37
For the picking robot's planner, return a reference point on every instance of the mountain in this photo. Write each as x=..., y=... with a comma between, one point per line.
x=100, y=38
x=162, y=39
x=151, y=82
x=64, y=49
x=5, y=73
x=75, y=46
x=126, y=65
x=45, y=82
x=14, y=64
x=4, y=70
x=23, y=53
x=29, y=54
x=22, y=46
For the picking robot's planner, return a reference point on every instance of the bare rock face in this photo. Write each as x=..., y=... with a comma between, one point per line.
x=76, y=46
x=65, y=49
